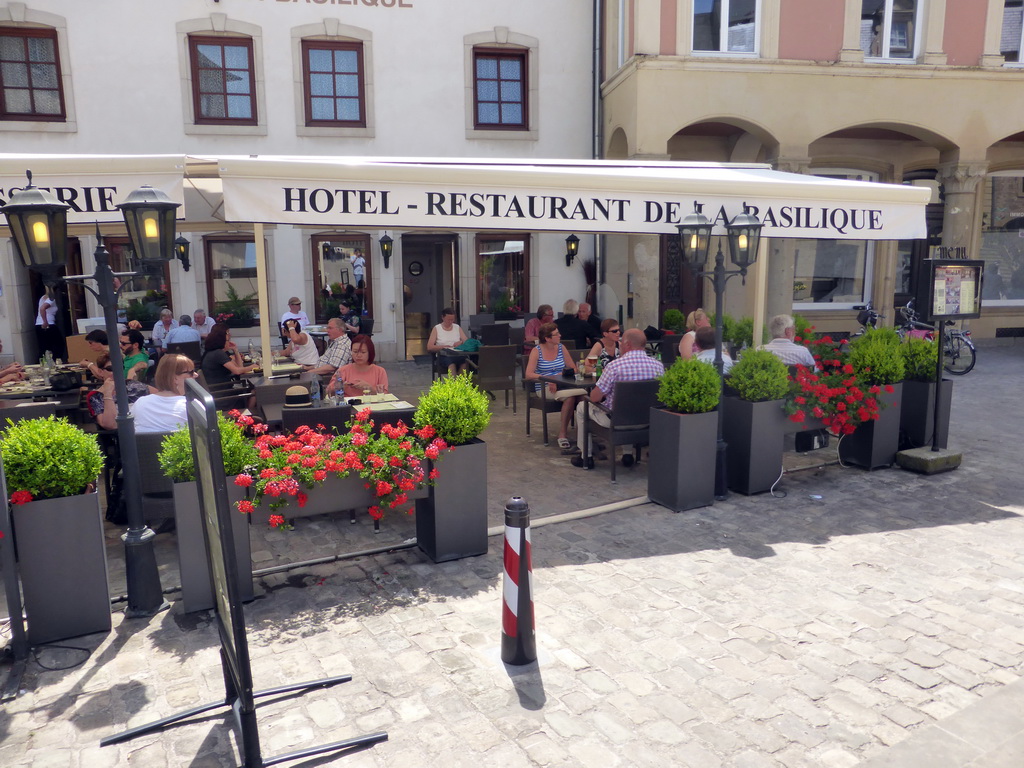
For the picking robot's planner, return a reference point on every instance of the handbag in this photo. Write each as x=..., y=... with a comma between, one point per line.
x=63, y=382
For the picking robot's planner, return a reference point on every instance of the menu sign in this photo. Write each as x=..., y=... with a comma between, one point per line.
x=953, y=289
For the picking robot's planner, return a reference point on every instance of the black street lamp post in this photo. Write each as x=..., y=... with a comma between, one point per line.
x=39, y=225
x=744, y=233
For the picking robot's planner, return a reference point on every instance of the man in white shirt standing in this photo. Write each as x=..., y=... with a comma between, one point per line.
x=295, y=312
x=359, y=267
x=202, y=323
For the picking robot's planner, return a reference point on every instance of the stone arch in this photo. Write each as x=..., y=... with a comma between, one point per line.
x=1006, y=154
x=886, y=148
x=618, y=146
x=722, y=139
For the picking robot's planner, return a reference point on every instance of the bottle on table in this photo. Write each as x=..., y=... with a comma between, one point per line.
x=314, y=392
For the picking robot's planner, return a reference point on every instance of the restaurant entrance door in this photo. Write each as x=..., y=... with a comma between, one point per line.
x=429, y=284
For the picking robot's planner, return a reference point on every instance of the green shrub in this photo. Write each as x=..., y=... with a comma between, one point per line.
x=741, y=333
x=240, y=307
x=50, y=458
x=878, y=356
x=804, y=329
x=920, y=357
x=455, y=407
x=673, y=320
x=238, y=451
x=758, y=376
x=690, y=386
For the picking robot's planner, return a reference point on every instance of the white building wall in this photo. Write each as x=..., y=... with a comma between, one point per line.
x=127, y=63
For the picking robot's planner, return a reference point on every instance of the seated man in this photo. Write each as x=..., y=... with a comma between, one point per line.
x=586, y=314
x=136, y=361
x=338, y=352
x=632, y=365
x=183, y=333
x=783, y=331
x=202, y=323
x=706, y=341
x=572, y=328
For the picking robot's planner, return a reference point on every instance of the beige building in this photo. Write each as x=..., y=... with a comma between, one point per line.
x=924, y=92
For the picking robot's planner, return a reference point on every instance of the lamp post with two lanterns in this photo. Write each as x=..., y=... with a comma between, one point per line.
x=744, y=234
x=38, y=223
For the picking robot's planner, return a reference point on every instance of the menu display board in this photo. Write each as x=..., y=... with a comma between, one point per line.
x=950, y=289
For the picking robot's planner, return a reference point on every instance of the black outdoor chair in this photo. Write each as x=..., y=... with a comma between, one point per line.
x=494, y=335
x=534, y=402
x=392, y=417
x=157, y=488
x=630, y=418
x=333, y=417
x=270, y=400
x=669, y=348
x=190, y=349
x=476, y=322
x=28, y=411
x=226, y=396
x=496, y=371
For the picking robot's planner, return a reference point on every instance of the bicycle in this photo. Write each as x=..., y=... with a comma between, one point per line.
x=959, y=353
x=867, y=317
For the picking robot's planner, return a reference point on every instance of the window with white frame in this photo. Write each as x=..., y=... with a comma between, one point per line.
x=1013, y=29
x=725, y=26
x=1002, y=238
x=889, y=29
x=836, y=273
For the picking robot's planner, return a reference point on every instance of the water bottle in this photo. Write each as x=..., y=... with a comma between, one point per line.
x=314, y=393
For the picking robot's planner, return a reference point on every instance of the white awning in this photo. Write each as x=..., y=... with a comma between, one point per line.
x=563, y=196
x=93, y=185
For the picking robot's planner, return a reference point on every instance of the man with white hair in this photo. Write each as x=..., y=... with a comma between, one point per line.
x=163, y=326
x=202, y=323
x=783, y=331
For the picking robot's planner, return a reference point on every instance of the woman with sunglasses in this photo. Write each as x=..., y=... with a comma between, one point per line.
x=164, y=410
x=607, y=349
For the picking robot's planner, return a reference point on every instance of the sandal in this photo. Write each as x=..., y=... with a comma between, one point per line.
x=563, y=443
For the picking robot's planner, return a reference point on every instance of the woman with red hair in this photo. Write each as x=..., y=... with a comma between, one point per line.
x=361, y=375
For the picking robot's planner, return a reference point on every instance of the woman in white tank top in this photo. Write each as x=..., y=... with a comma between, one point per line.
x=302, y=349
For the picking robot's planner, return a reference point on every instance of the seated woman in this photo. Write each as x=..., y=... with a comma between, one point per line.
x=447, y=335
x=688, y=345
x=222, y=361
x=101, y=401
x=607, y=349
x=550, y=358
x=164, y=410
x=98, y=342
x=361, y=375
x=12, y=372
x=301, y=348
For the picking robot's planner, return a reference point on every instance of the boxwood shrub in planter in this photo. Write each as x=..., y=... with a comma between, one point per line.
x=754, y=421
x=917, y=407
x=877, y=359
x=451, y=523
x=681, y=468
x=177, y=462
x=51, y=469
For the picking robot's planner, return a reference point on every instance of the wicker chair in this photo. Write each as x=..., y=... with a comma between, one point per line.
x=156, y=487
x=630, y=417
x=496, y=370
x=333, y=417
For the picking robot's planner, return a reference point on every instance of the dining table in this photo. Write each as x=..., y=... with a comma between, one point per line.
x=562, y=381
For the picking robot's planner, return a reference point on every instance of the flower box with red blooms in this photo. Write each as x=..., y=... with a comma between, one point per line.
x=835, y=392
x=385, y=469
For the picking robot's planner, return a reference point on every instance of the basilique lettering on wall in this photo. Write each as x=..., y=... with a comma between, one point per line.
x=370, y=3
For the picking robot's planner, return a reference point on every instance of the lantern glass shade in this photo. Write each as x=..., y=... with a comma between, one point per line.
x=149, y=215
x=39, y=226
x=386, y=244
x=695, y=237
x=572, y=245
x=744, y=236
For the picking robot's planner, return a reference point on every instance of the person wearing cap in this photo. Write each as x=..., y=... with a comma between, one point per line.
x=295, y=312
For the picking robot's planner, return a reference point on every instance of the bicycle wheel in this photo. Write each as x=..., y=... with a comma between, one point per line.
x=960, y=356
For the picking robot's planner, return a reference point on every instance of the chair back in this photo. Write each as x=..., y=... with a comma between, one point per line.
x=494, y=335
x=392, y=417
x=476, y=322
x=152, y=480
x=632, y=403
x=333, y=417
x=496, y=366
x=270, y=398
x=517, y=335
x=366, y=325
x=190, y=349
x=669, y=348
x=28, y=411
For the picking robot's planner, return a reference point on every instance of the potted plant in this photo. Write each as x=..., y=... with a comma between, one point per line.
x=51, y=469
x=754, y=423
x=877, y=358
x=177, y=462
x=917, y=407
x=673, y=321
x=237, y=310
x=681, y=469
x=451, y=522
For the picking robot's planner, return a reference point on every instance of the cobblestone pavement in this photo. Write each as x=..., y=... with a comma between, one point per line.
x=863, y=618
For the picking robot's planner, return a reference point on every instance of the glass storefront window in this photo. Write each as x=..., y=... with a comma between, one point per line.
x=1002, y=239
x=501, y=268
x=341, y=272
x=833, y=272
x=147, y=294
x=231, y=277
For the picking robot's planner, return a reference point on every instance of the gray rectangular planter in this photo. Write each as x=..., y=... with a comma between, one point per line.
x=755, y=434
x=337, y=493
x=681, y=459
x=451, y=522
x=874, y=443
x=62, y=561
x=196, y=593
x=917, y=413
